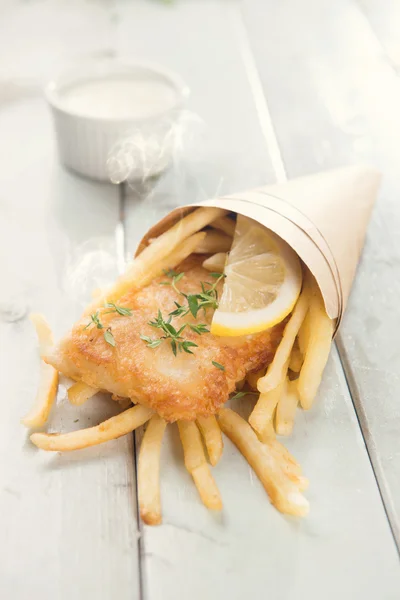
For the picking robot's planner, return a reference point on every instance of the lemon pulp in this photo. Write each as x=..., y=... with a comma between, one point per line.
x=262, y=283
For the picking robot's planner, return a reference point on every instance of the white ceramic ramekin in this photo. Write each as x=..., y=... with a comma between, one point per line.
x=115, y=148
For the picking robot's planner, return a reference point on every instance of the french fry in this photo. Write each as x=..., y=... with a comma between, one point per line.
x=149, y=471
x=80, y=392
x=286, y=409
x=262, y=416
x=207, y=487
x=253, y=377
x=304, y=334
x=287, y=462
x=192, y=447
x=48, y=377
x=184, y=228
x=215, y=241
x=216, y=262
x=225, y=224
x=212, y=436
x=282, y=491
x=45, y=396
x=111, y=429
x=148, y=265
x=316, y=351
x=196, y=464
x=141, y=273
x=43, y=332
x=276, y=370
x=296, y=359
x=288, y=459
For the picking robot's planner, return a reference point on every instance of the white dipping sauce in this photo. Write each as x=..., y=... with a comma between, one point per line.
x=119, y=98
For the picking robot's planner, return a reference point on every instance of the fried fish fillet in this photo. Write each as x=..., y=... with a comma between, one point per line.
x=176, y=387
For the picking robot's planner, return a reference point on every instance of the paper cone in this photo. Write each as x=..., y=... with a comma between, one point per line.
x=323, y=217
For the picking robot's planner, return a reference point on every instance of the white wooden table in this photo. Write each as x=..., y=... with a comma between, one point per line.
x=284, y=88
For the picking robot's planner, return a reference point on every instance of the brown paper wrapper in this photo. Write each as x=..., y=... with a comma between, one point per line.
x=323, y=217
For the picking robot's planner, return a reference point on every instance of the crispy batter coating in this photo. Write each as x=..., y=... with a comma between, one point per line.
x=181, y=387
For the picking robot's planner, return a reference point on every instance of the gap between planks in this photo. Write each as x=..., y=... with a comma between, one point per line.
x=121, y=252
x=367, y=439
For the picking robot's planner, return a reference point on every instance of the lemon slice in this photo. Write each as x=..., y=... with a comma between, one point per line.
x=263, y=281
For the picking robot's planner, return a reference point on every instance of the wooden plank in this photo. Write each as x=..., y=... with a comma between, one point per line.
x=338, y=104
x=250, y=548
x=68, y=522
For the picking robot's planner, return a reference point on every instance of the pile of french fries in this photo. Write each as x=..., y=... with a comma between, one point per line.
x=290, y=381
x=294, y=375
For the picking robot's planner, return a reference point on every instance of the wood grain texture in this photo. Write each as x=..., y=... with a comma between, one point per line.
x=68, y=523
x=250, y=548
x=336, y=105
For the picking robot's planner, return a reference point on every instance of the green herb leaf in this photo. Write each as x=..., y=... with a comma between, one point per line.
x=158, y=322
x=178, y=277
x=94, y=320
x=241, y=394
x=155, y=343
x=178, y=333
x=200, y=328
x=220, y=367
x=121, y=310
x=108, y=336
x=150, y=342
x=175, y=280
x=146, y=339
x=168, y=328
x=193, y=305
x=208, y=298
x=180, y=311
x=186, y=345
x=170, y=273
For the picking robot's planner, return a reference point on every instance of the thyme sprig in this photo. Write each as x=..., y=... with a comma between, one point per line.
x=218, y=365
x=173, y=335
x=175, y=278
x=108, y=336
x=121, y=310
x=207, y=298
x=95, y=320
x=170, y=273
